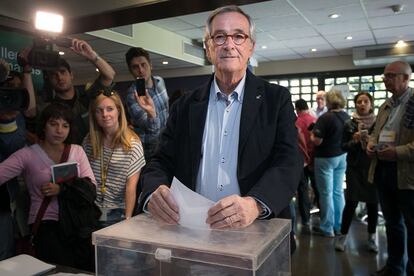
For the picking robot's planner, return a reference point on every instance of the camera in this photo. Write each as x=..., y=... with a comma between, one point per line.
x=44, y=54
x=13, y=99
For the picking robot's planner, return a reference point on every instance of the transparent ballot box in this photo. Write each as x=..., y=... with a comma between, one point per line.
x=143, y=246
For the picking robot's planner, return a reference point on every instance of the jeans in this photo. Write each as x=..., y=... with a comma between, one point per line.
x=329, y=176
x=398, y=210
x=113, y=216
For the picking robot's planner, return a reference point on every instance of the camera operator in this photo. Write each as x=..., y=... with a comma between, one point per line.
x=63, y=90
x=12, y=138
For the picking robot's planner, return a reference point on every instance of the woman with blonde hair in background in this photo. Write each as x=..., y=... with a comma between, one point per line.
x=330, y=164
x=116, y=156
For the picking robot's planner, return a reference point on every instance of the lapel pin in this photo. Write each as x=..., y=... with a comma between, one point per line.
x=258, y=97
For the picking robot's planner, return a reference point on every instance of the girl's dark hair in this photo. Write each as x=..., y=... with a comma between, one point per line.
x=371, y=99
x=55, y=111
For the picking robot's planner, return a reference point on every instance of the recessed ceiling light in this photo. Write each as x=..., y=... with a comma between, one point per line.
x=348, y=37
x=61, y=53
x=264, y=47
x=400, y=44
x=314, y=50
x=165, y=62
x=334, y=15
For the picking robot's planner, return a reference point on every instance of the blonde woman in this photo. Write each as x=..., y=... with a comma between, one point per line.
x=116, y=156
x=330, y=164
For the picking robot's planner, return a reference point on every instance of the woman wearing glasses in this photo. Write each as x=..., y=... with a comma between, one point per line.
x=116, y=156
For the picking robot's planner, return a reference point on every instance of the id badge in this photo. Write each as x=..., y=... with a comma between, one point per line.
x=104, y=216
x=387, y=137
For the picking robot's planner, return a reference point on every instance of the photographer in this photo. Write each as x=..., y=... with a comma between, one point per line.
x=60, y=82
x=12, y=138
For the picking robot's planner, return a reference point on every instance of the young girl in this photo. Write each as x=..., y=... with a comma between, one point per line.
x=34, y=162
x=116, y=156
x=355, y=139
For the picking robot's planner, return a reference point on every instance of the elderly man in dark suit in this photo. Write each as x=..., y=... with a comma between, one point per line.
x=233, y=140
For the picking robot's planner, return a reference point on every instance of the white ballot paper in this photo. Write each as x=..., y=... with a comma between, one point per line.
x=192, y=207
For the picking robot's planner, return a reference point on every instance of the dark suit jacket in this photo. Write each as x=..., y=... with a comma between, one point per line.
x=269, y=163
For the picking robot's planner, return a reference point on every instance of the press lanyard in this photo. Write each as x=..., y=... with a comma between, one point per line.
x=104, y=169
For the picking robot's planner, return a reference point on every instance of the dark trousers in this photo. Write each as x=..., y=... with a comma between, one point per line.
x=348, y=214
x=53, y=247
x=398, y=210
x=310, y=175
x=303, y=199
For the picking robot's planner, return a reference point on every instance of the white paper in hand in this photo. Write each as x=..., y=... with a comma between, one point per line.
x=192, y=207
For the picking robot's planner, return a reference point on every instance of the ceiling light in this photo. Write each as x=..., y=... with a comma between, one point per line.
x=50, y=22
x=400, y=44
x=165, y=62
x=334, y=15
x=264, y=47
x=61, y=53
x=397, y=8
x=314, y=50
x=348, y=37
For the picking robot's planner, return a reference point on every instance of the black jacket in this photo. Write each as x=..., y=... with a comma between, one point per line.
x=78, y=213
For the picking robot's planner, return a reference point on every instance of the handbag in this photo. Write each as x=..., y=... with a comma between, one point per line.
x=25, y=244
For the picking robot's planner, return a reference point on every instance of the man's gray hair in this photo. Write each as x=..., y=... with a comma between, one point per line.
x=226, y=9
x=404, y=66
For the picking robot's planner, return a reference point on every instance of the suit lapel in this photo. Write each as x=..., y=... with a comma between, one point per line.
x=252, y=100
x=197, y=119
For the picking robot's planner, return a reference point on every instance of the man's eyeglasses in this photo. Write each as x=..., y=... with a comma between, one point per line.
x=391, y=76
x=221, y=38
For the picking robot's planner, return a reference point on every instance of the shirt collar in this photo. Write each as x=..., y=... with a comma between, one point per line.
x=238, y=91
x=394, y=102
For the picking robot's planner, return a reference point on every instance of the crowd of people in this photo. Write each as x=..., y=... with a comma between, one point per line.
x=233, y=140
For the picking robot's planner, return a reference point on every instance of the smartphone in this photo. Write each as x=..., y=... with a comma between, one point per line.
x=140, y=87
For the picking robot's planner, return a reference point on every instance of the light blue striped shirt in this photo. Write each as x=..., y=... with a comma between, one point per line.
x=217, y=174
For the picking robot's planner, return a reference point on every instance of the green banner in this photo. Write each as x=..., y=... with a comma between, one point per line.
x=10, y=44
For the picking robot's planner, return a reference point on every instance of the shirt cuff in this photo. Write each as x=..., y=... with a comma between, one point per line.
x=145, y=206
x=266, y=212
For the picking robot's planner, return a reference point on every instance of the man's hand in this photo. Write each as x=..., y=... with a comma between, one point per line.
x=146, y=103
x=233, y=212
x=50, y=189
x=370, y=150
x=162, y=206
x=388, y=153
x=82, y=48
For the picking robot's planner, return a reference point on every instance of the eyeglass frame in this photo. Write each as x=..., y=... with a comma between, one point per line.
x=232, y=38
x=391, y=76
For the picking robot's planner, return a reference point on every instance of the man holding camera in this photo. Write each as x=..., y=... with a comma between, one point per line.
x=148, y=109
x=12, y=138
x=391, y=145
x=63, y=90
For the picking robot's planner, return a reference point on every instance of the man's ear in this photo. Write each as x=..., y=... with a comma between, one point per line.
x=206, y=47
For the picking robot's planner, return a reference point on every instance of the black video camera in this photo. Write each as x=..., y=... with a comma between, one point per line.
x=13, y=99
x=43, y=54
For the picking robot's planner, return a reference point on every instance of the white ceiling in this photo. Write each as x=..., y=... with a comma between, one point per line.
x=291, y=28
x=288, y=28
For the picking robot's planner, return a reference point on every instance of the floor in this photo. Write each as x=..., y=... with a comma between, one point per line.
x=315, y=255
